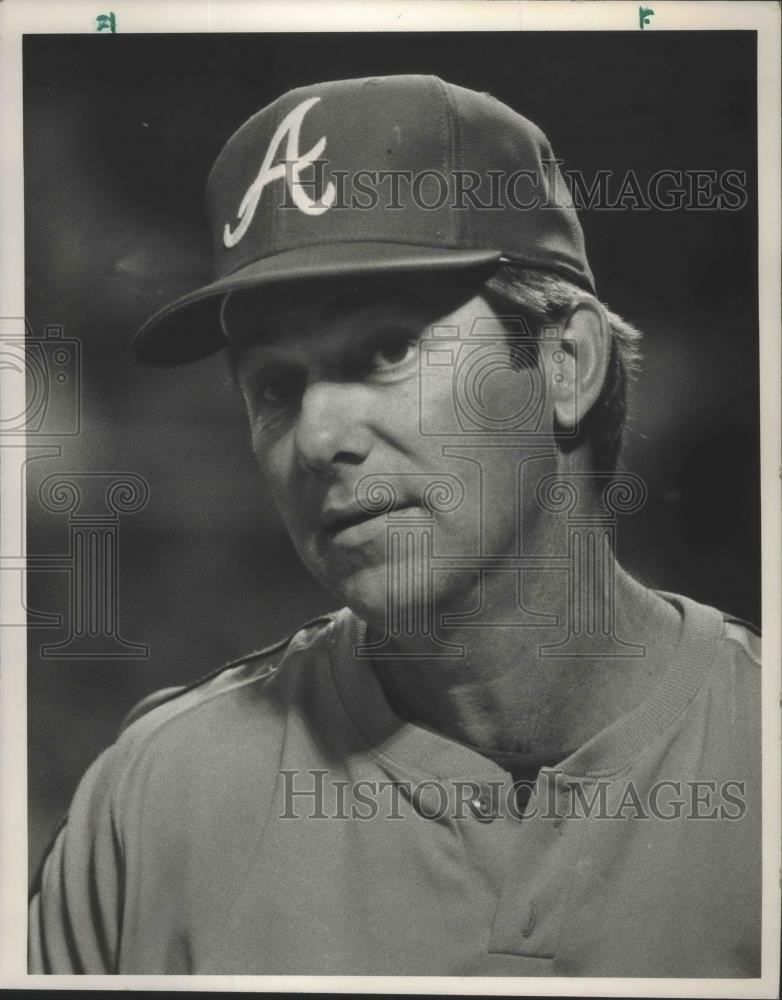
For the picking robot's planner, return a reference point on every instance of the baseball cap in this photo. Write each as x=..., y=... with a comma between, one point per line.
x=370, y=176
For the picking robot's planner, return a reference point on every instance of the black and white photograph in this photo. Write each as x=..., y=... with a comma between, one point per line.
x=391, y=510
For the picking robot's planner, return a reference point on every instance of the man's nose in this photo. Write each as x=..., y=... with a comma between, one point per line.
x=331, y=428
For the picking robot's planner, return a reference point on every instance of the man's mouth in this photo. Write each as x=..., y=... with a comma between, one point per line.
x=337, y=520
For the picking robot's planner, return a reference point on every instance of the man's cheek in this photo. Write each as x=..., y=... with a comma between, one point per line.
x=275, y=462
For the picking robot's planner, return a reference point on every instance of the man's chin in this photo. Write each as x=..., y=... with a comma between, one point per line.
x=400, y=598
x=365, y=592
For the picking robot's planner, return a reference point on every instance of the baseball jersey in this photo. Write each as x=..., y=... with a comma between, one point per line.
x=277, y=817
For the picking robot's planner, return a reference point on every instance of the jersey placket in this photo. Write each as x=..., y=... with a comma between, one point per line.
x=530, y=859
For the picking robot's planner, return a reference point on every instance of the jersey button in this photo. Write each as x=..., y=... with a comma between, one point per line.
x=483, y=807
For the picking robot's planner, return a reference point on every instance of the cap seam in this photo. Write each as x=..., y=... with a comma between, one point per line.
x=267, y=216
x=454, y=145
x=278, y=252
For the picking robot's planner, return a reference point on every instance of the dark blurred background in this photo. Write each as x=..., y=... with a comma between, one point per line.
x=120, y=133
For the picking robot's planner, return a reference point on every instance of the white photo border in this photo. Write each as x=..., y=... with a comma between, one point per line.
x=19, y=17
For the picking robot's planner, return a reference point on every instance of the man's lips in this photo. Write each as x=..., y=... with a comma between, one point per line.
x=338, y=519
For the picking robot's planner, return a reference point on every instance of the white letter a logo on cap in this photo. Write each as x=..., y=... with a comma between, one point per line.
x=290, y=126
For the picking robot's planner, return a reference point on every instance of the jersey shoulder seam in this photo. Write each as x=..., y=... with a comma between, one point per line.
x=747, y=647
x=733, y=620
x=144, y=740
x=166, y=695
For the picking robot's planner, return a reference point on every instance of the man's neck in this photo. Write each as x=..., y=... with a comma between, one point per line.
x=504, y=697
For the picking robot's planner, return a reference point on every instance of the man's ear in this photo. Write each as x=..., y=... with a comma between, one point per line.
x=578, y=378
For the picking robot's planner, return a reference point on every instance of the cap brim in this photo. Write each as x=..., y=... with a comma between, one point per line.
x=189, y=327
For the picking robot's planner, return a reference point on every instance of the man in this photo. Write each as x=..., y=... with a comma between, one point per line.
x=504, y=755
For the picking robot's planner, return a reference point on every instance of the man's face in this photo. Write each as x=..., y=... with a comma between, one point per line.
x=345, y=395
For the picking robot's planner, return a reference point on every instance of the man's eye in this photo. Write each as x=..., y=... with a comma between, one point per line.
x=270, y=393
x=393, y=351
x=277, y=390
